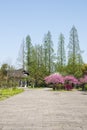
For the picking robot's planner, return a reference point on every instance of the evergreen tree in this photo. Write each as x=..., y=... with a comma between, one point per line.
x=28, y=52
x=74, y=53
x=48, y=52
x=21, y=56
x=61, y=57
x=37, y=70
x=39, y=55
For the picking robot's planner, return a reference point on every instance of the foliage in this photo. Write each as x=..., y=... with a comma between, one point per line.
x=85, y=87
x=83, y=79
x=3, y=71
x=71, y=79
x=40, y=60
x=74, y=54
x=57, y=78
x=54, y=79
x=8, y=84
x=61, y=57
x=28, y=52
x=21, y=56
x=57, y=81
x=5, y=93
x=37, y=74
x=84, y=69
x=48, y=52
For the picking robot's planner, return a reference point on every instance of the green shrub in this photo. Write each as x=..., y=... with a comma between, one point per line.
x=7, y=92
x=85, y=87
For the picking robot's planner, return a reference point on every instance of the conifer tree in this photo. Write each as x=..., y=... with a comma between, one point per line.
x=74, y=52
x=61, y=57
x=28, y=52
x=48, y=52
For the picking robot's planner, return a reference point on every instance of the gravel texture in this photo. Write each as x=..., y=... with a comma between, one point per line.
x=44, y=109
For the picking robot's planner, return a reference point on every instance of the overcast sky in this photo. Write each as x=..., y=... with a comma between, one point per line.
x=18, y=18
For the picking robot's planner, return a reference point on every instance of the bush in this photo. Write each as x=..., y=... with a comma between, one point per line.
x=85, y=87
x=8, y=84
x=59, y=86
x=7, y=92
x=3, y=84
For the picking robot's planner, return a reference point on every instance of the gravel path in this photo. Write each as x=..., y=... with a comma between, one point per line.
x=43, y=109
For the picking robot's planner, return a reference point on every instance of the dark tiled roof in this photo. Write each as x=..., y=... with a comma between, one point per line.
x=17, y=73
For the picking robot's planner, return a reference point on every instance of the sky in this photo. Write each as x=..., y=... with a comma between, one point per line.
x=19, y=18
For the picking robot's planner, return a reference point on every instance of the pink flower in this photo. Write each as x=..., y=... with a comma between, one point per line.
x=83, y=80
x=71, y=78
x=54, y=78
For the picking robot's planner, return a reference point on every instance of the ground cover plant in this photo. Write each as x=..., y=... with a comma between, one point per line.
x=8, y=92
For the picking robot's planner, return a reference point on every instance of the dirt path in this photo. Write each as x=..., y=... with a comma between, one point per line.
x=43, y=109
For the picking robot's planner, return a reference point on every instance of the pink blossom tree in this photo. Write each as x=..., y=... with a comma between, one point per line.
x=54, y=79
x=71, y=79
x=57, y=80
x=83, y=82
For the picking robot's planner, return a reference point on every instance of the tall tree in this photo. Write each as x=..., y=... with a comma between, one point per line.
x=74, y=53
x=21, y=56
x=28, y=52
x=61, y=57
x=4, y=69
x=37, y=70
x=48, y=52
x=45, y=47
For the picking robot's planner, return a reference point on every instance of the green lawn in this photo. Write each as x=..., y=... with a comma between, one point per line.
x=8, y=92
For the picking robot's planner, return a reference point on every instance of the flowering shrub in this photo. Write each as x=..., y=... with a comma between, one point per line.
x=68, y=86
x=68, y=82
x=71, y=79
x=57, y=81
x=54, y=79
x=83, y=80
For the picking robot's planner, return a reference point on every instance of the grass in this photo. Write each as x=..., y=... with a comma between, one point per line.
x=8, y=92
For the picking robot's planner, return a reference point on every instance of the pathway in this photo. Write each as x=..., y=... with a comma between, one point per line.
x=43, y=109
